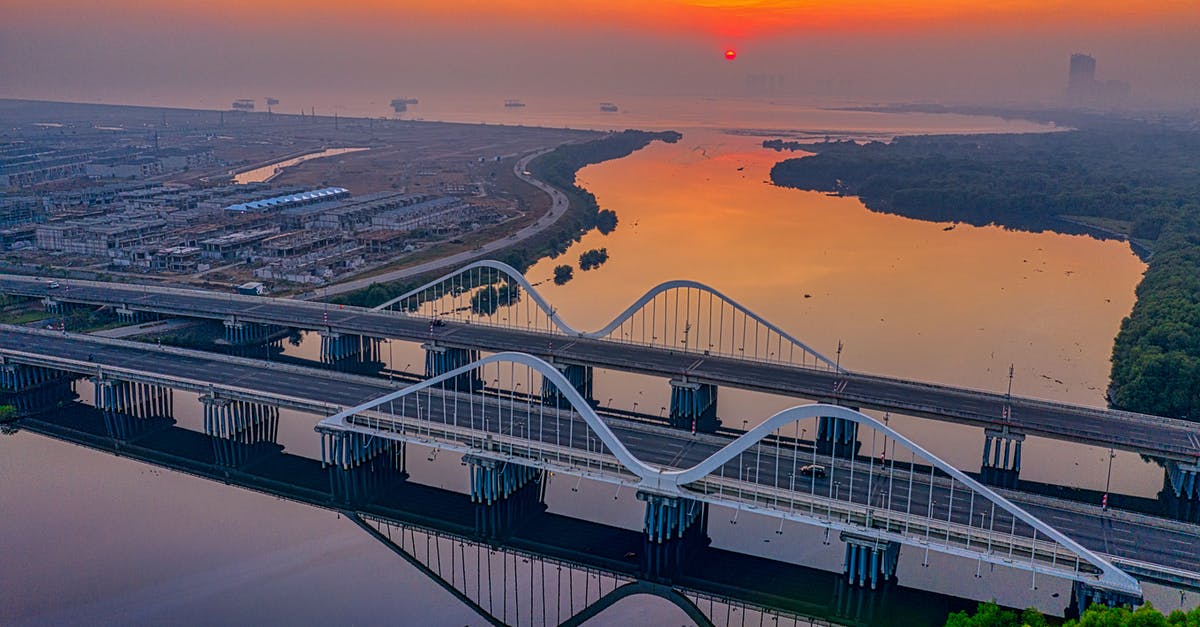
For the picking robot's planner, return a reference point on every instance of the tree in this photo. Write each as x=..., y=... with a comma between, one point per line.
x=992, y=615
x=562, y=274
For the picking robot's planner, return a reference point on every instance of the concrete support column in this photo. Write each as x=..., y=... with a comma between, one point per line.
x=580, y=378
x=693, y=406
x=869, y=562
x=442, y=359
x=1084, y=596
x=1001, y=463
x=493, y=481
x=837, y=436
x=20, y=377
x=45, y=397
x=338, y=346
x=670, y=517
x=1184, y=480
x=238, y=333
x=351, y=449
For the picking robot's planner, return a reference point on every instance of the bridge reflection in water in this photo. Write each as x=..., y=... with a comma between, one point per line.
x=876, y=501
x=512, y=562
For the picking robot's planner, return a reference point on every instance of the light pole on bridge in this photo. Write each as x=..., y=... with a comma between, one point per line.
x=1107, y=480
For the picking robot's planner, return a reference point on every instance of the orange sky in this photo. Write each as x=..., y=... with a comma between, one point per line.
x=952, y=50
x=711, y=18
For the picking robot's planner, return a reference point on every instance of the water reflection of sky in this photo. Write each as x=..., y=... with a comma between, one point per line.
x=91, y=537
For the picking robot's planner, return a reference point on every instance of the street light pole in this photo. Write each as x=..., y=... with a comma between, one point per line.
x=1107, y=480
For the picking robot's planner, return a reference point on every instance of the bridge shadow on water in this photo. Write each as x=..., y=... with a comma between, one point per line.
x=512, y=562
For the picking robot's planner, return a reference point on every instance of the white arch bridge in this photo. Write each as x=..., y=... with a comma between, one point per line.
x=876, y=487
x=677, y=315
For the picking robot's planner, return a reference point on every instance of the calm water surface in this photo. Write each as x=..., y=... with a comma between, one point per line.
x=92, y=537
x=270, y=171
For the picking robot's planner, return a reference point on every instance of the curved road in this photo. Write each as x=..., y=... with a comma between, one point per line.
x=558, y=207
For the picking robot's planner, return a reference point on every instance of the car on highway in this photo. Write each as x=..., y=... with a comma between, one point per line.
x=53, y=285
x=812, y=470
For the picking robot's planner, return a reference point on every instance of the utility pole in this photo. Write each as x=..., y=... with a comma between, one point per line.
x=1107, y=480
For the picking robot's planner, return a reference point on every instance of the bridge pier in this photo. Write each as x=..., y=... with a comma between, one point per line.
x=493, y=481
x=40, y=398
x=239, y=333
x=132, y=316
x=499, y=519
x=837, y=436
x=670, y=517
x=674, y=528
x=442, y=359
x=132, y=409
x=580, y=378
x=336, y=347
x=20, y=377
x=133, y=398
x=694, y=406
x=56, y=306
x=1001, y=464
x=351, y=449
x=1084, y=596
x=1184, y=480
x=361, y=465
x=869, y=561
x=238, y=427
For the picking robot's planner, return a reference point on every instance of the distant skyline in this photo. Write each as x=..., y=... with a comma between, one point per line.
x=194, y=53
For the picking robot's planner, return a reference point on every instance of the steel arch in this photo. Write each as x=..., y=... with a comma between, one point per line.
x=621, y=318
x=675, y=481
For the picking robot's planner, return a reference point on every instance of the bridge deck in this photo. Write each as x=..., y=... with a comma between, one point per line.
x=1139, y=433
x=1165, y=543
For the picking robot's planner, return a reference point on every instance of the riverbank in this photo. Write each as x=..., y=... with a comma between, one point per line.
x=1112, y=172
x=555, y=170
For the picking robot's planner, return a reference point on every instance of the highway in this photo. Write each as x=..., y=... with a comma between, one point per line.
x=1146, y=539
x=569, y=542
x=1148, y=435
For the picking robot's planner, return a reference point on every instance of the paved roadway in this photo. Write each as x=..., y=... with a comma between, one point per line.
x=1146, y=539
x=1147, y=435
x=558, y=207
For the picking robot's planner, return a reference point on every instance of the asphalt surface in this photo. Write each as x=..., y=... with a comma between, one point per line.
x=1145, y=539
x=1147, y=435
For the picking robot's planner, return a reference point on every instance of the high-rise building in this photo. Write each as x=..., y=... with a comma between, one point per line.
x=1081, y=82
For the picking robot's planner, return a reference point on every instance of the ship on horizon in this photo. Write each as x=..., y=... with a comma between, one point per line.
x=400, y=105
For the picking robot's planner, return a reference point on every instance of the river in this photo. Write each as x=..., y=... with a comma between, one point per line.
x=267, y=172
x=89, y=536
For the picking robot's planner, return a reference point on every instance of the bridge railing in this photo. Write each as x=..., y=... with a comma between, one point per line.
x=447, y=412
x=1013, y=546
x=999, y=537
x=677, y=315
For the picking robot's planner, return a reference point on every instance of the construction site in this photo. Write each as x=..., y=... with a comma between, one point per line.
x=222, y=198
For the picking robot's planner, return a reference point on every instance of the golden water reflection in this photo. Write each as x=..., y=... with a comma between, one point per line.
x=906, y=298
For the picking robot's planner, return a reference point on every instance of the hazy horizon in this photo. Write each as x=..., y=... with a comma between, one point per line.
x=205, y=54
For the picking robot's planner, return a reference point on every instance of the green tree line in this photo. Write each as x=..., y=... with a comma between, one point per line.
x=992, y=615
x=1141, y=174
